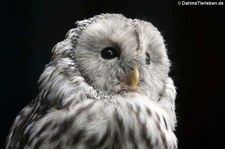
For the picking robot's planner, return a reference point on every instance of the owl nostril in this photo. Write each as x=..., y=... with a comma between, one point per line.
x=130, y=68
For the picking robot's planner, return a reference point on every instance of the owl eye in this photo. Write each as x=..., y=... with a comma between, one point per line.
x=147, y=59
x=109, y=53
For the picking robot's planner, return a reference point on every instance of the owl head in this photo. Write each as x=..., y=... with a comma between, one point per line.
x=116, y=55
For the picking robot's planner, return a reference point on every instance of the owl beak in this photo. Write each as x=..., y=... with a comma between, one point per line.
x=134, y=78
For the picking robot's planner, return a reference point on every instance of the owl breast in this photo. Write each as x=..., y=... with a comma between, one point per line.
x=118, y=123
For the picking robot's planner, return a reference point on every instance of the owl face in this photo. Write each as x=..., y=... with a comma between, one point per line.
x=115, y=54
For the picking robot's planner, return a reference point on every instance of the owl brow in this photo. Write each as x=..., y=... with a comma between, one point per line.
x=137, y=34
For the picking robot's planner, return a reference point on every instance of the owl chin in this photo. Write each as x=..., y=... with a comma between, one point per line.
x=124, y=88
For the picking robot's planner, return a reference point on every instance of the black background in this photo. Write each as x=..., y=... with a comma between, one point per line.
x=195, y=40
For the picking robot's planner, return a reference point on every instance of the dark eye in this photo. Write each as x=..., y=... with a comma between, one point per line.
x=147, y=59
x=109, y=53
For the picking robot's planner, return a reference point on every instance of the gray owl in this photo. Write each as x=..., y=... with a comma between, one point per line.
x=106, y=87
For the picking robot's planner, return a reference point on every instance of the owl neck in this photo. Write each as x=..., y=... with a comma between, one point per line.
x=61, y=85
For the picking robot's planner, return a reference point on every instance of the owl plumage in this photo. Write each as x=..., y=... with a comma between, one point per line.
x=106, y=87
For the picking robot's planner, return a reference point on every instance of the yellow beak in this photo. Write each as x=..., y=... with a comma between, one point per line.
x=134, y=78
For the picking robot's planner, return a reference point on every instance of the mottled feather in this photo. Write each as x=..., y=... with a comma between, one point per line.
x=84, y=100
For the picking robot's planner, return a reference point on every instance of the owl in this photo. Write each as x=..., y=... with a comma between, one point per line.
x=106, y=87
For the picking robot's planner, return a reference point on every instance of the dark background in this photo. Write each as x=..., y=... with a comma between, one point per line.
x=195, y=40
